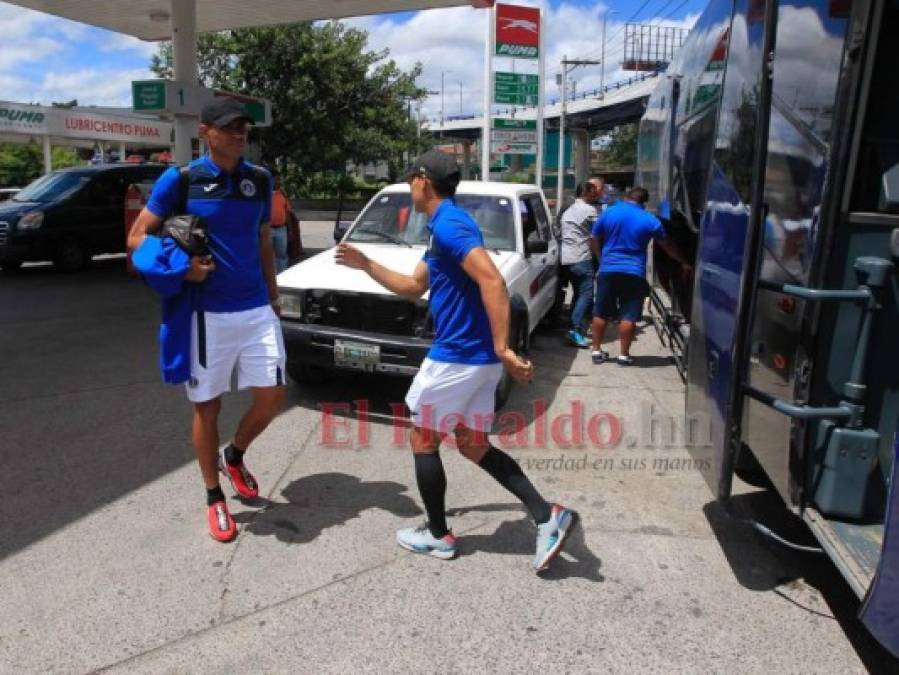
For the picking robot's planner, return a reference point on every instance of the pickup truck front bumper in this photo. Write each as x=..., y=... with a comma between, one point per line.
x=313, y=345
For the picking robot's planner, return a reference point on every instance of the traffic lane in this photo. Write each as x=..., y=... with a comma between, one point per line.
x=84, y=416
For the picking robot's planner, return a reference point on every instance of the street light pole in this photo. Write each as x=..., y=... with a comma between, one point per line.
x=441, y=98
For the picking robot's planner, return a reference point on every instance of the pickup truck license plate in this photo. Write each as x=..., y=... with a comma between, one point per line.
x=356, y=355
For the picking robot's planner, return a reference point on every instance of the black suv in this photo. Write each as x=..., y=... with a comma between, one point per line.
x=69, y=215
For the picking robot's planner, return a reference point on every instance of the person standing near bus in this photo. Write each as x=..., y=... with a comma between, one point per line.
x=578, y=267
x=621, y=237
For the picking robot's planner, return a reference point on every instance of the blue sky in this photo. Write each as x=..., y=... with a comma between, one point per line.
x=44, y=58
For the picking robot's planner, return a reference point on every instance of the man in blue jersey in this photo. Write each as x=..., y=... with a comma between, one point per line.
x=621, y=236
x=453, y=391
x=235, y=319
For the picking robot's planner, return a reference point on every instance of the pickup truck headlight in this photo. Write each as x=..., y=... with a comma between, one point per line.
x=31, y=220
x=291, y=304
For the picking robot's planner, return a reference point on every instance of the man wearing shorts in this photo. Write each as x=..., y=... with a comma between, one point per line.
x=622, y=234
x=453, y=391
x=235, y=320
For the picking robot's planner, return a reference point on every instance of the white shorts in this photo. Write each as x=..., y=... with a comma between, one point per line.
x=251, y=340
x=445, y=395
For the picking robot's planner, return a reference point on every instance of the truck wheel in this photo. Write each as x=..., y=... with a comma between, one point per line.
x=10, y=265
x=303, y=374
x=71, y=255
x=504, y=388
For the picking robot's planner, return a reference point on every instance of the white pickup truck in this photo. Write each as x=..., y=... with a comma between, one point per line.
x=338, y=318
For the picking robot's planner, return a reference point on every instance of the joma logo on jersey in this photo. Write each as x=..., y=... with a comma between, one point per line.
x=519, y=51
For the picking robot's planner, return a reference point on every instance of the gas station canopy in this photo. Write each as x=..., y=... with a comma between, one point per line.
x=150, y=19
x=182, y=20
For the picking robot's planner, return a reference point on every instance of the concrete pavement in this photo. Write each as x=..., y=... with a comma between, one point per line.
x=105, y=563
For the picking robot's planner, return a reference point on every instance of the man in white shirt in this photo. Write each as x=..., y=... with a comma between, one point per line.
x=577, y=257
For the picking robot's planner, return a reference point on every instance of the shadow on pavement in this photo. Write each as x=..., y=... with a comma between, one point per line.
x=761, y=564
x=321, y=501
x=517, y=537
x=84, y=416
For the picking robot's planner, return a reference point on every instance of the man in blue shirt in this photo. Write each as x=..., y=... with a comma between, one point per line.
x=621, y=236
x=235, y=301
x=454, y=389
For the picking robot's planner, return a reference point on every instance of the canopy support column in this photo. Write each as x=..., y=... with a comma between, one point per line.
x=184, y=56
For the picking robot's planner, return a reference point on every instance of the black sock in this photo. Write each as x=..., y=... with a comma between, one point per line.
x=233, y=456
x=432, y=486
x=507, y=473
x=214, y=495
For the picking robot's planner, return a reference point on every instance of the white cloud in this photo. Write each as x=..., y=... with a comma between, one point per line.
x=17, y=52
x=106, y=87
x=452, y=41
x=118, y=42
x=448, y=41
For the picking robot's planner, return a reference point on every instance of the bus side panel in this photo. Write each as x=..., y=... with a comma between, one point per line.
x=880, y=613
x=722, y=245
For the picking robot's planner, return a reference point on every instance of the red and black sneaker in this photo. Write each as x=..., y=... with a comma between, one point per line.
x=241, y=479
x=221, y=525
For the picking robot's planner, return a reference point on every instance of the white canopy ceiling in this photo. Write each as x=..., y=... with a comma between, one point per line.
x=149, y=19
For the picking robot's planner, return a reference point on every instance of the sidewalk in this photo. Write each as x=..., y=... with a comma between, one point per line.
x=656, y=579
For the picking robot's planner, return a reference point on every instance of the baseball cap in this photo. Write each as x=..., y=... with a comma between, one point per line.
x=435, y=165
x=222, y=110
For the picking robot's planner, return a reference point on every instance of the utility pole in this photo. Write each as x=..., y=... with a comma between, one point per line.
x=602, y=71
x=567, y=66
x=442, y=96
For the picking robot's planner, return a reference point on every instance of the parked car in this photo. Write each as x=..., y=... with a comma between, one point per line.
x=336, y=318
x=8, y=193
x=69, y=215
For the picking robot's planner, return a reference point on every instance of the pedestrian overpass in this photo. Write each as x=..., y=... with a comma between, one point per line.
x=592, y=111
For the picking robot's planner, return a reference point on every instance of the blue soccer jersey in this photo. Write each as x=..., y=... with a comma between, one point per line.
x=233, y=206
x=461, y=327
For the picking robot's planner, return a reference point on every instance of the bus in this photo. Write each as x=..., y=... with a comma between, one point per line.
x=770, y=149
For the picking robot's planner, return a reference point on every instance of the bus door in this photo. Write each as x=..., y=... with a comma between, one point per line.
x=818, y=387
x=809, y=52
x=720, y=260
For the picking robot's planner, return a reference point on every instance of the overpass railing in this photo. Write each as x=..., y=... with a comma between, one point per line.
x=598, y=92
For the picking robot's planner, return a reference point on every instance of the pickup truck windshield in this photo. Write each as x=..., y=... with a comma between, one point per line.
x=393, y=215
x=52, y=187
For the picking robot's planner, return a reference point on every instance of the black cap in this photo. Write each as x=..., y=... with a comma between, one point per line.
x=435, y=165
x=222, y=110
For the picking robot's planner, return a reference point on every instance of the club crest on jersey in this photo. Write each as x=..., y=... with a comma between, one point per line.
x=247, y=187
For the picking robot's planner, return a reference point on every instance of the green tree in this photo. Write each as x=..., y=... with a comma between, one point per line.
x=22, y=163
x=333, y=100
x=622, y=150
